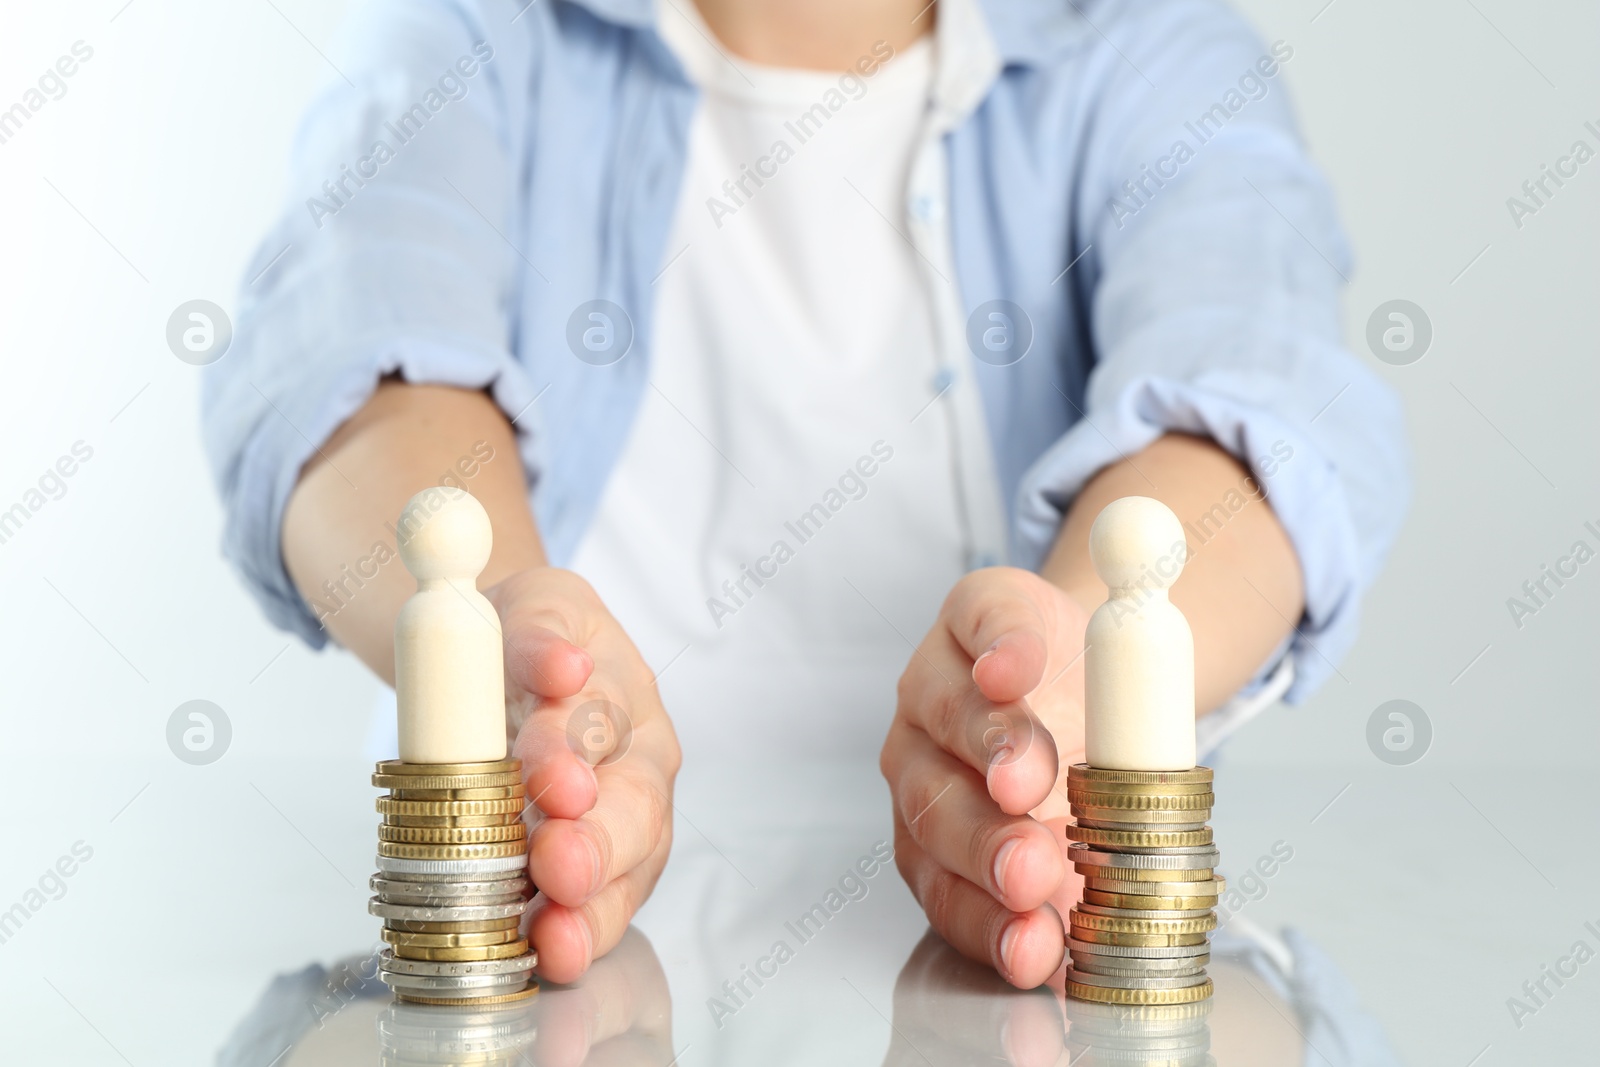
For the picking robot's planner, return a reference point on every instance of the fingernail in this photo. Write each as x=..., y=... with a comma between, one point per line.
x=1001, y=859
x=1008, y=942
x=992, y=650
x=998, y=759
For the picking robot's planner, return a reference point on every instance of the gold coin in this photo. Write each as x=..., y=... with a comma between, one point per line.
x=406, y=850
x=482, y=939
x=1141, y=801
x=1138, y=818
x=510, y=818
x=1118, y=924
x=498, y=998
x=492, y=792
x=1142, y=874
x=1129, y=940
x=458, y=926
x=1138, y=838
x=448, y=809
x=1086, y=777
x=1110, y=995
x=452, y=835
x=1214, y=887
x=461, y=955
x=1143, y=902
x=394, y=766
x=409, y=782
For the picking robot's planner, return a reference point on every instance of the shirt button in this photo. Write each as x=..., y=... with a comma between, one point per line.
x=979, y=560
x=943, y=380
x=925, y=208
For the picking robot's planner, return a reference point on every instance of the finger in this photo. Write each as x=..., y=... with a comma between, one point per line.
x=947, y=810
x=560, y=781
x=1006, y=743
x=1025, y=948
x=570, y=939
x=543, y=662
x=996, y=618
x=571, y=860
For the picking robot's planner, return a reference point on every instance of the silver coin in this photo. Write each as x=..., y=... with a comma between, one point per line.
x=1091, y=856
x=1115, y=981
x=393, y=865
x=1137, y=951
x=425, y=898
x=1162, y=850
x=1133, y=968
x=465, y=913
x=463, y=985
x=389, y=962
x=447, y=878
x=1211, y=887
x=1162, y=828
x=1142, y=913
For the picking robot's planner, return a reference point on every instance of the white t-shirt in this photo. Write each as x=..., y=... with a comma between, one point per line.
x=784, y=521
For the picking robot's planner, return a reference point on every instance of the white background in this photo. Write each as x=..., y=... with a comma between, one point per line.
x=147, y=185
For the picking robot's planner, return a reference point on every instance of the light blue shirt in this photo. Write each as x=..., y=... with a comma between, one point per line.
x=1127, y=175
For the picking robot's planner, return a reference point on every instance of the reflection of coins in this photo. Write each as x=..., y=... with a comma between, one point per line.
x=1147, y=901
x=1205, y=856
x=453, y=835
x=1098, y=779
x=1101, y=994
x=1109, y=981
x=457, y=953
x=1118, y=924
x=494, y=850
x=388, y=961
x=508, y=998
x=1143, y=874
x=1090, y=835
x=450, y=809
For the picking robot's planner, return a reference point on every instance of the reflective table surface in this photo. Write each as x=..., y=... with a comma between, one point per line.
x=1386, y=918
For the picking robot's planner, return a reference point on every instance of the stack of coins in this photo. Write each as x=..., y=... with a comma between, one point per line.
x=1142, y=934
x=451, y=883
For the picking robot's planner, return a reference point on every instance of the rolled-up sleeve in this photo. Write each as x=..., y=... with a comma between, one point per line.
x=1216, y=312
x=390, y=258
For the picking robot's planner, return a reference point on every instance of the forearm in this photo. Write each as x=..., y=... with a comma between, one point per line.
x=338, y=535
x=1241, y=589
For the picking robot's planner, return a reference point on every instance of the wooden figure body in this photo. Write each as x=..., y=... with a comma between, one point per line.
x=1139, y=663
x=449, y=666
